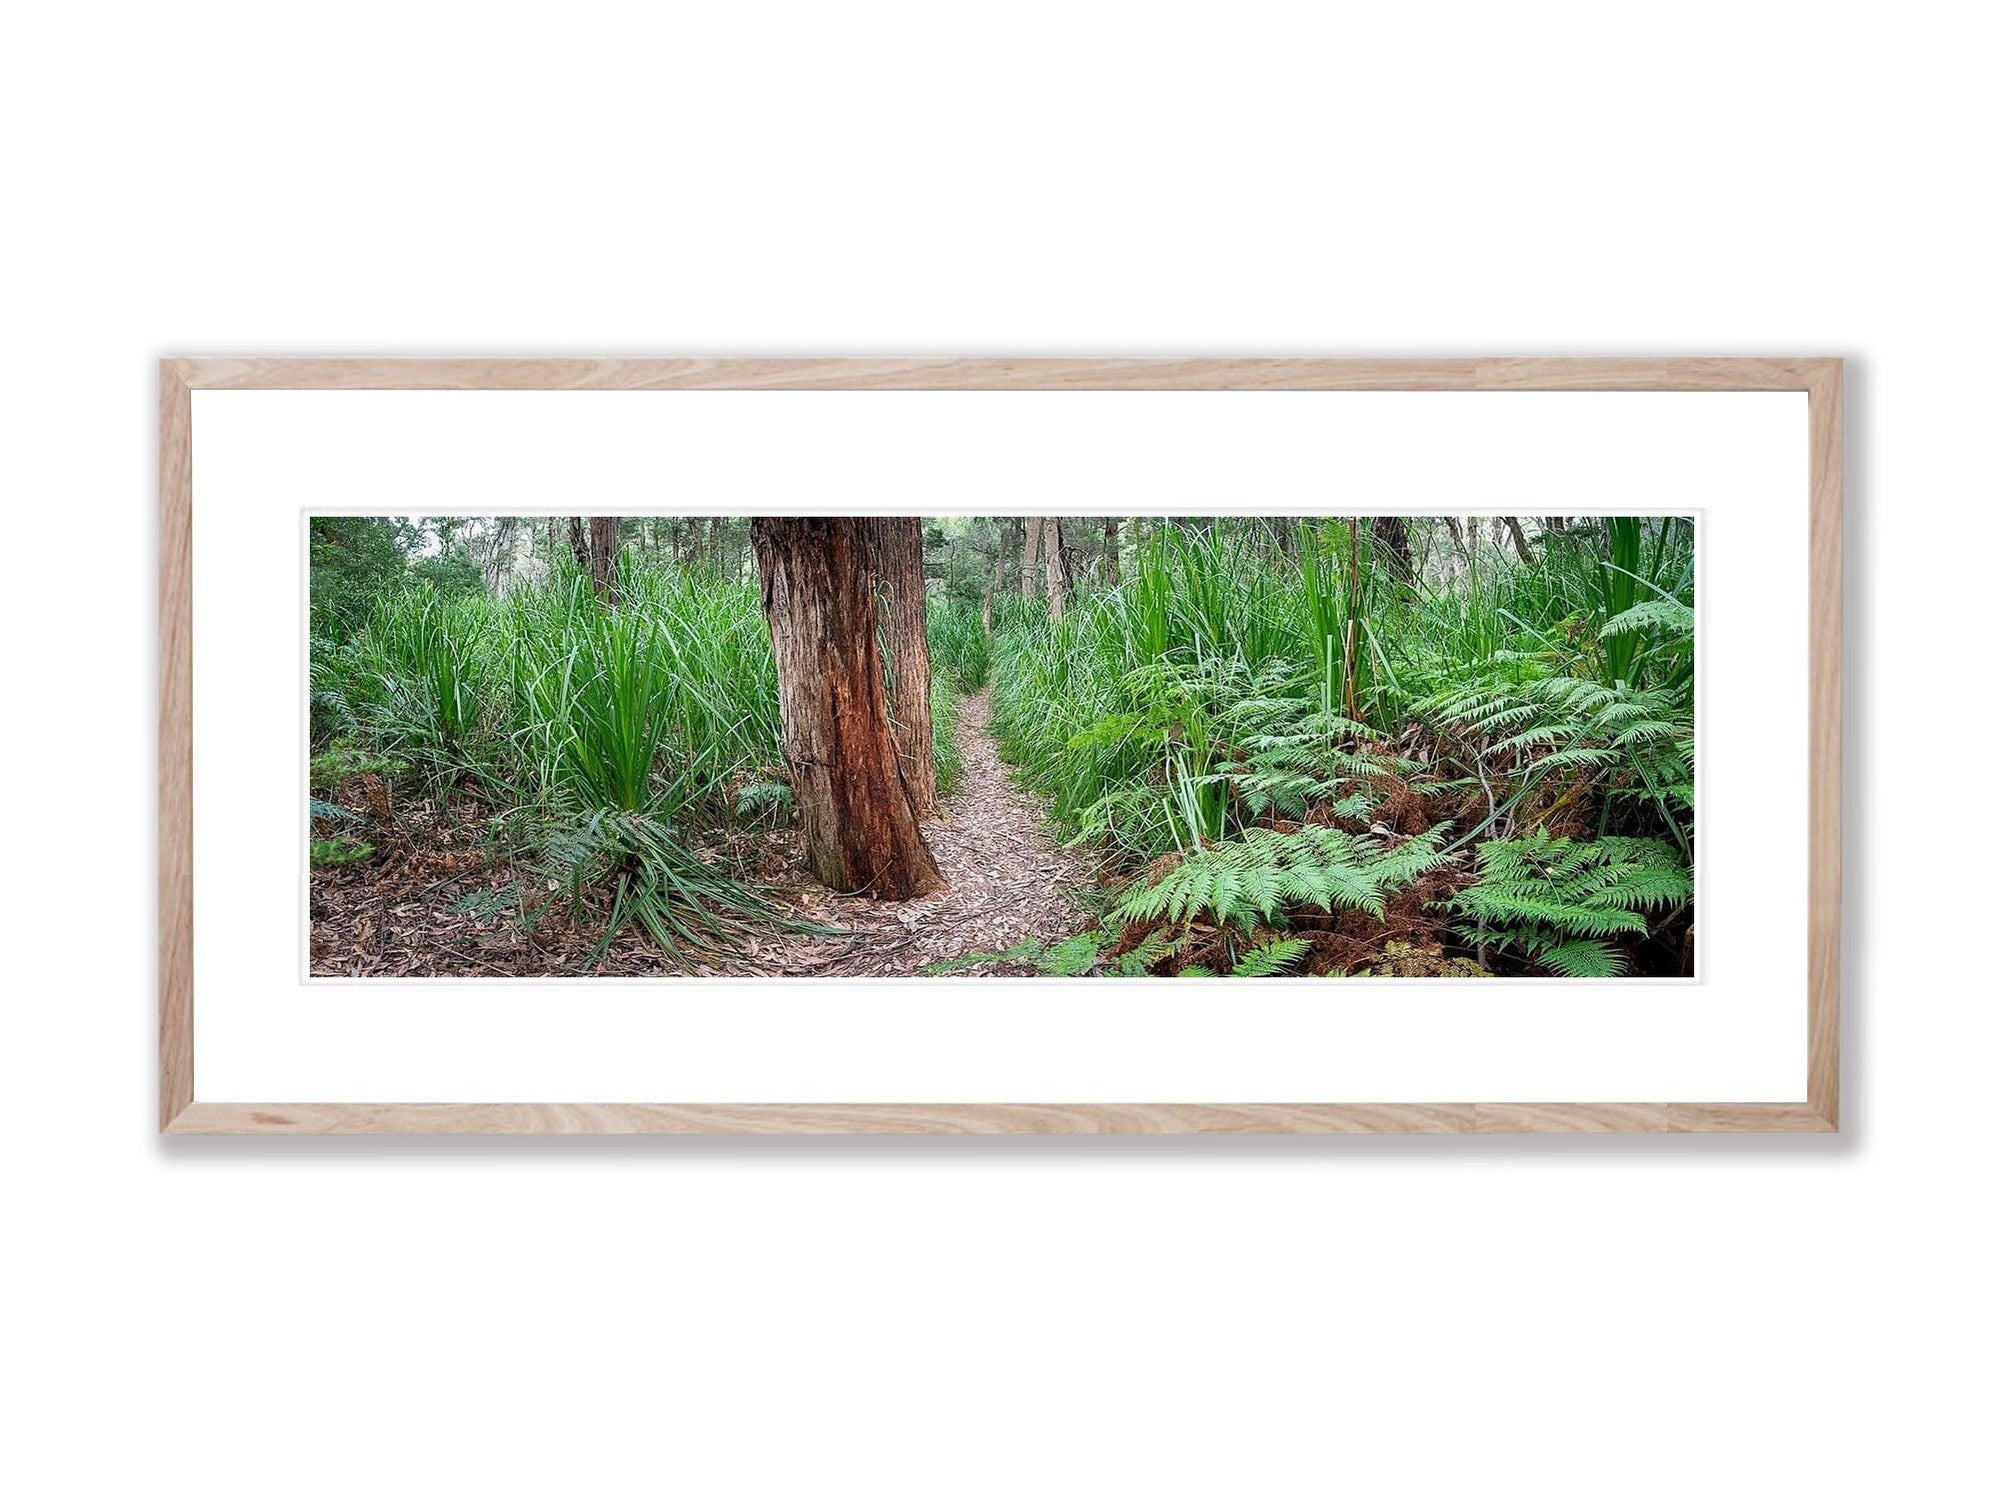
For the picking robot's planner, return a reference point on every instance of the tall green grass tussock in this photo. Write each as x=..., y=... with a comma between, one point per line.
x=960, y=649
x=601, y=740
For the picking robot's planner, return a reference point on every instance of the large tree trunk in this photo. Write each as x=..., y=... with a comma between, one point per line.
x=899, y=571
x=860, y=822
x=1111, y=541
x=1512, y=524
x=1058, y=566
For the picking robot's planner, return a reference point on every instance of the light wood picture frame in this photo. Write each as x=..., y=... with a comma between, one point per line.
x=182, y=1111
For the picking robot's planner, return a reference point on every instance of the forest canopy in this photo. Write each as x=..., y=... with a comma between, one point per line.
x=1436, y=746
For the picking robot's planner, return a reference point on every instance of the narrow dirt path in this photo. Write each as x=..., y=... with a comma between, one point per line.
x=1009, y=879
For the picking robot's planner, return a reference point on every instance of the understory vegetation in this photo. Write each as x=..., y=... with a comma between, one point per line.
x=1353, y=764
x=1412, y=747
x=604, y=754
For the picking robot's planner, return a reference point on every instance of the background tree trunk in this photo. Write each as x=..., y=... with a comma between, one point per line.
x=1110, y=551
x=1458, y=542
x=495, y=551
x=1030, y=554
x=1285, y=529
x=898, y=542
x=604, y=558
x=1393, y=534
x=594, y=540
x=1004, y=543
x=1526, y=552
x=1058, y=567
x=860, y=824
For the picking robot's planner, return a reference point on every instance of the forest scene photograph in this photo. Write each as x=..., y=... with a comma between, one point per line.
x=1439, y=746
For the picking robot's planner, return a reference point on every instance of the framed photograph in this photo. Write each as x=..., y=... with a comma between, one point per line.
x=996, y=745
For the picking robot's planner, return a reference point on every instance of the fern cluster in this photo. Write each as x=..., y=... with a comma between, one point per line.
x=1297, y=755
x=1249, y=879
x=1559, y=900
x=1572, y=716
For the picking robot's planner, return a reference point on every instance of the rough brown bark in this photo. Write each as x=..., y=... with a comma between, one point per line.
x=1058, y=566
x=860, y=822
x=898, y=542
x=1526, y=552
x=1111, y=541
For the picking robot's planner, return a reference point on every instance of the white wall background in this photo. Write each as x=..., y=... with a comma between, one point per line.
x=992, y=1317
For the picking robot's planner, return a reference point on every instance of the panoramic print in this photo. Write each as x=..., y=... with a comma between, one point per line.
x=1441, y=746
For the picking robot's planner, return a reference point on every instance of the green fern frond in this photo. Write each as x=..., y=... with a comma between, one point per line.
x=1078, y=955
x=1667, y=615
x=1270, y=958
x=1583, y=960
x=1250, y=878
x=1069, y=958
x=1558, y=899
